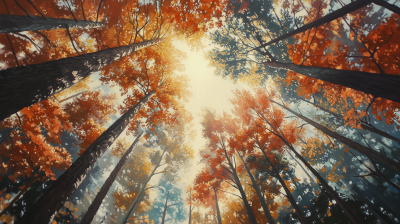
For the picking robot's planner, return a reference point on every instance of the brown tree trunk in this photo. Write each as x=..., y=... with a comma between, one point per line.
x=378, y=85
x=92, y=210
x=190, y=208
x=370, y=153
x=23, y=86
x=13, y=23
x=57, y=194
x=289, y=195
x=216, y=204
x=264, y=204
x=19, y=195
x=328, y=18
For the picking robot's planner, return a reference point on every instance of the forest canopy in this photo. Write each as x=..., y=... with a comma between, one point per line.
x=206, y=111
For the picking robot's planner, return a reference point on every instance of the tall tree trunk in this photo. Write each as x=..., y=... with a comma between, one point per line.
x=328, y=18
x=25, y=85
x=165, y=210
x=387, y=5
x=350, y=213
x=92, y=210
x=363, y=126
x=12, y=23
x=57, y=194
x=190, y=207
x=378, y=85
x=250, y=213
x=289, y=195
x=370, y=153
x=70, y=97
x=216, y=204
x=19, y=195
x=142, y=189
x=264, y=204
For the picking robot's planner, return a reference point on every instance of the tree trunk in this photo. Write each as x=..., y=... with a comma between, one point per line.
x=12, y=23
x=370, y=153
x=25, y=85
x=350, y=213
x=165, y=210
x=363, y=126
x=190, y=208
x=70, y=97
x=289, y=195
x=305, y=171
x=19, y=195
x=387, y=5
x=378, y=85
x=56, y=195
x=142, y=189
x=216, y=204
x=92, y=210
x=250, y=214
x=328, y=18
x=264, y=204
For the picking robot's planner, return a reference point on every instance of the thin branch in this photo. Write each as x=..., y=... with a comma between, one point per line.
x=70, y=37
x=98, y=10
x=230, y=193
x=19, y=119
x=12, y=49
x=16, y=1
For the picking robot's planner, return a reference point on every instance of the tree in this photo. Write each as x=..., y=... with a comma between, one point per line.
x=89, y=215
x=165, y=92
x=272, y=120
x=12, y=23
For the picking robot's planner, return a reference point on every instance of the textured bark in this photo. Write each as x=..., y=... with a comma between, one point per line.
x=216, y=204
x=387, y=5
x=16, y=198
x=12, y=23
x=363, y=126
x=378, y=85
x=92, y=210
x=264, y=204
x=350, y=213
x=328, y=18
x=25, y=85
x=165, y=209
x=370, y=153
x=289, y=195
x=250, y=214
x=142, y=189
x=56, y=195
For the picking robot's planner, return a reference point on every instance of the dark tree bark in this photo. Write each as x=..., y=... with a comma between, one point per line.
x=328, y=18
x=216, y=204
x=370, y=153
x=378, y=85
x=289, y=195
x=56, y=195
x=363, y=126
x=264, y=204
x=387, y=5
x=250, y=213
x=12, y=23
x=23, y=86
x=92, y=210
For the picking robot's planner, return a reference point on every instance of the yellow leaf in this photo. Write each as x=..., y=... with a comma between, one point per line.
x=328, y=212
x=8, y=196
x=346, y=150
x=323, y=170
x=344, y=169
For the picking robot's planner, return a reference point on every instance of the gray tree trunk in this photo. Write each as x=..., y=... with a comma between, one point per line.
x=387, y=5
x=250, y=213
x=45, y=208
x=370, y=153
x=142, y=189
x=328, y=18
x=92, y=210
x=378, y=85
x=23, y=86
x=216, y=204
x=289, y=195
x=264, y=204
x=165, y=210
x=12, y=23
